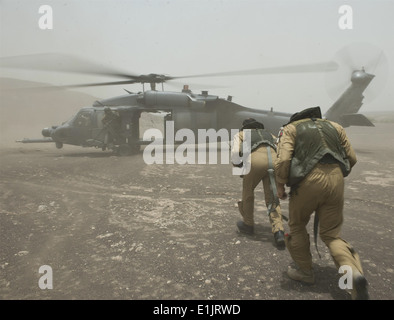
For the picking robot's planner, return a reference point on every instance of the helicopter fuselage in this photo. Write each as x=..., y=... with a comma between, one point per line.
x=187, y=110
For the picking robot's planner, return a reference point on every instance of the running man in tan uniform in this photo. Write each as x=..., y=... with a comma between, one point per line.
x=259, y=163
x=313, y=157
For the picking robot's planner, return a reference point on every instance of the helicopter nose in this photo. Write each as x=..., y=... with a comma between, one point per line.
x=46, y=132
x=60, y=134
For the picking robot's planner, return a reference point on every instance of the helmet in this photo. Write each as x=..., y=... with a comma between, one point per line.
x=313, y=112
x=252, y=123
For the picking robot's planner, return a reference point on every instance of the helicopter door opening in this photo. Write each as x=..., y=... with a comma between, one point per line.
x=154, y=120
x=98, y=128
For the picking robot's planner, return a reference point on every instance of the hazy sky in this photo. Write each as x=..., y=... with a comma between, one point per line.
x=181, y=37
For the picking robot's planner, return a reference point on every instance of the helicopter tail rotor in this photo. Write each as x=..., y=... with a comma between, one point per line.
x=358, y=58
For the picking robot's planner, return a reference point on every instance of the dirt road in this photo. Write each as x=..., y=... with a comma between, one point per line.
x=116, y=228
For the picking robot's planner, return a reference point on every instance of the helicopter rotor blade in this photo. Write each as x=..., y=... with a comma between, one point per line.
x=61, y=63
x=316, y=67
x=111, y=83
x=73, y=64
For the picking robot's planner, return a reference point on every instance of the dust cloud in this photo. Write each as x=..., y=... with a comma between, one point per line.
x=28, y=107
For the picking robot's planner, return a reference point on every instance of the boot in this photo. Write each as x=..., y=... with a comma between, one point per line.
x=279, y=237
x=304, y=276
x=360, y=287
x=244, y=228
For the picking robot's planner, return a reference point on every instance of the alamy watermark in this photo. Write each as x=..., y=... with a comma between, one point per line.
x=345, y=21
x=345, y=281
x=180, y=147
x=45, y=22
x=46, y=280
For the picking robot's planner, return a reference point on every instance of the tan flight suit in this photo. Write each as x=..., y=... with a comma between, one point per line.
x=258, y=172
x=322, y=192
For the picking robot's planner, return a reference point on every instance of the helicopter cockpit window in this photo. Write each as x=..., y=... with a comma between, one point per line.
x=83, y=119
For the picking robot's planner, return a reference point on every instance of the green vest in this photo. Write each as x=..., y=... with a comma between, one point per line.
x=258, y=137
x=316, y=141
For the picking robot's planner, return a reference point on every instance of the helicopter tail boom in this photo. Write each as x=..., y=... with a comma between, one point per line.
x=344, y=110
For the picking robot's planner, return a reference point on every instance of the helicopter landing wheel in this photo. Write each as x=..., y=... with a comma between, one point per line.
x=59, y=145
x=124, y=150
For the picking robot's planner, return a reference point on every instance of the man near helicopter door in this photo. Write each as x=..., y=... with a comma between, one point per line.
x=112, y=123
x=262, y=153
x=313, y=157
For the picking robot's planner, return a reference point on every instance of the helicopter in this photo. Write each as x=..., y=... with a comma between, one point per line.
x=195, y=111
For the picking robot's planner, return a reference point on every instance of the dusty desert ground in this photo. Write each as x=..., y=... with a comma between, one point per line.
x=116, y=228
